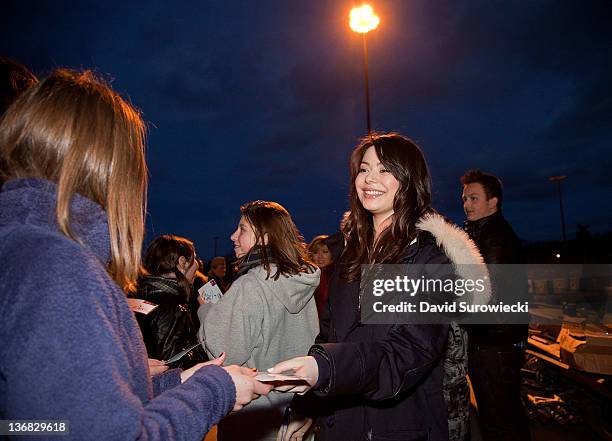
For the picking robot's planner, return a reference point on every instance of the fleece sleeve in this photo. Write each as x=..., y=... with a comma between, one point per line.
x=72, y=351
x=166, y=380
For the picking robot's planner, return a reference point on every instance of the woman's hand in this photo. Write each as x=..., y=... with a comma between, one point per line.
x=247, y=388
x=304, y=367
x=156, y=367
x=296, y=430
x=186, y=374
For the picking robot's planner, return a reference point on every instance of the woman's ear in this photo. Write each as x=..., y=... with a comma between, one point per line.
x=182, y=264
x=265, y=239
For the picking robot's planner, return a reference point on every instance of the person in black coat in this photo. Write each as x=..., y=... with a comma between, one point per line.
x=170, y=264
x=496, y=351
x=382, y=382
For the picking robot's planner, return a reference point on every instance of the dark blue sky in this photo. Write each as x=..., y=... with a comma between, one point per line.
x=264, y=100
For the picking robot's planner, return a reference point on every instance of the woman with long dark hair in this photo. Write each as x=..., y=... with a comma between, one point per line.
x=169, y=266
x=267, y=315
x=386, y=382
x=71, y=227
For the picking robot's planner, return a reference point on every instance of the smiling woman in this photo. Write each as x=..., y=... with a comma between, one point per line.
x=392, y=381
x=243, y=238
x=376, y=188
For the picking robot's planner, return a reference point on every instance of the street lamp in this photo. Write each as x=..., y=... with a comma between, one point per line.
x=363, y=20
x=558, y=180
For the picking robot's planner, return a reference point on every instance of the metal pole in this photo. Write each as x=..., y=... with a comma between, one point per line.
x=367, y=88
x=558, y=180
x=561, y=209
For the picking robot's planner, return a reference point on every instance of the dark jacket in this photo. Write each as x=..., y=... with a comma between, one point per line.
x=322, y=292
x=498, y=244
x=71, y=349
x=495, y=238
x=169, y=328
x=388, y=382
x=387, y=378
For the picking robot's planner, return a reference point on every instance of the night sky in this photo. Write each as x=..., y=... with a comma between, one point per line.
x=264, y=100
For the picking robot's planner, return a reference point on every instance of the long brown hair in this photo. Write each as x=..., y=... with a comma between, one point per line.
x=74, y=130
x=285, y=248
x=404, y=159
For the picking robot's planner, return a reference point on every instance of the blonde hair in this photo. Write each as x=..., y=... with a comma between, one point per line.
x=317, y=243
x=74, y=130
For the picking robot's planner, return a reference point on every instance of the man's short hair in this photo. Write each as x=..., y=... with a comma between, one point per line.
x=491, y=184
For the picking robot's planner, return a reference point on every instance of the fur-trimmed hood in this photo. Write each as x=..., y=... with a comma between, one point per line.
x=460, y=249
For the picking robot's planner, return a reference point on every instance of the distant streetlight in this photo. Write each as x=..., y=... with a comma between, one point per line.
x=558, y=180
x=363, y=20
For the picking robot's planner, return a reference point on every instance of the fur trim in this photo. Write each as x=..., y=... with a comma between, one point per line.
x=460, y=249
x=455, y=242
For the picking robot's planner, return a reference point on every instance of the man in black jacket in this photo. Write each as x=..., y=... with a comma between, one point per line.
x=496, y=351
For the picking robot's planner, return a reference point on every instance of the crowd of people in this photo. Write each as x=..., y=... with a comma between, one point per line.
x=126, y=345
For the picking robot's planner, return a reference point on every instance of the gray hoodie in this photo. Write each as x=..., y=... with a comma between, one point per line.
x=258, y=323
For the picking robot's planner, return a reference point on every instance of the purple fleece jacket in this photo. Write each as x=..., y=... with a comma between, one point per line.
x=70, y=348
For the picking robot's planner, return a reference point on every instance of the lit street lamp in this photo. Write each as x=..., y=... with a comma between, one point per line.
x=558, y=180
x=363, y=20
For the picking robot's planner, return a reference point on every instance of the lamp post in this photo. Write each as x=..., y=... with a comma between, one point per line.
x=558, y=180
x=363, y=20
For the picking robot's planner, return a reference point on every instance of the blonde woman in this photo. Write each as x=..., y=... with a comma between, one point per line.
x=71, y=229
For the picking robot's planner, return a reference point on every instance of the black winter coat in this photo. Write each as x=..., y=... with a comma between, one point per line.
x=495, y=238
x=169, y=328
x=385, y=380
x=498, y=244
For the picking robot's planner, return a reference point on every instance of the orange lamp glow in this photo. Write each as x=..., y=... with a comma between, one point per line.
x=363, y=19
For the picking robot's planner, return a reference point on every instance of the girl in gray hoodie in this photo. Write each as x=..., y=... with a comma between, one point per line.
x=267, y=315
